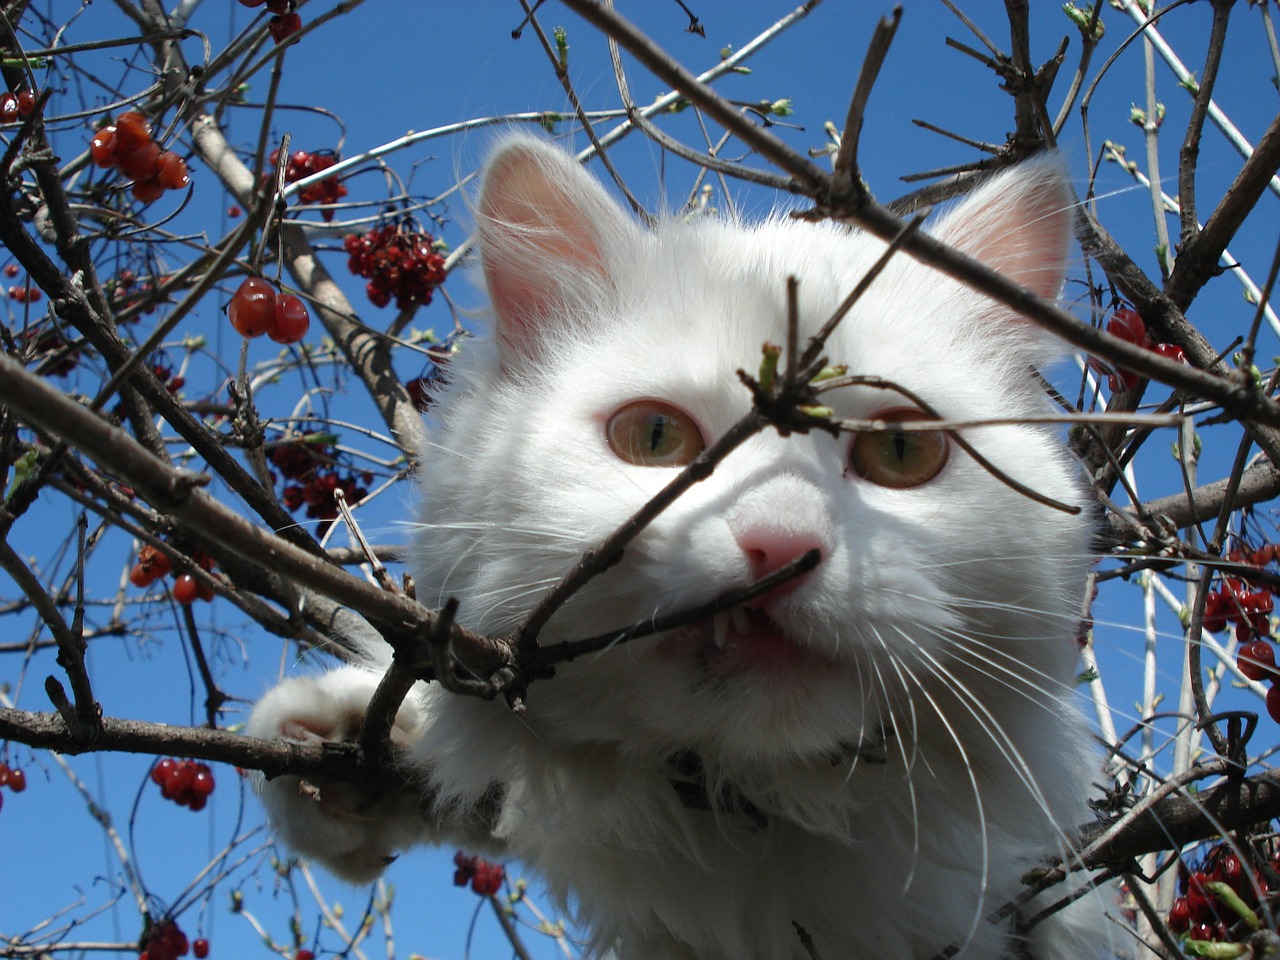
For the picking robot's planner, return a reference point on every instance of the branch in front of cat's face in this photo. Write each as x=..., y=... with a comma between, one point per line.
x=599, y=559
x=786, y=402
x=936, y=422
x=569, y=650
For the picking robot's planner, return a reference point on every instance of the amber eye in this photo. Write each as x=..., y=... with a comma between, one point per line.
x=899, y=458
x=650, y=433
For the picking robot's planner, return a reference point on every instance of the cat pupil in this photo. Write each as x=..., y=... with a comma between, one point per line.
x=657, y=428
x=900, y=445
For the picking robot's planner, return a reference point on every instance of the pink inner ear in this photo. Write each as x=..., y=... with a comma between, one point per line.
x=540, y=242
x=1019, y=224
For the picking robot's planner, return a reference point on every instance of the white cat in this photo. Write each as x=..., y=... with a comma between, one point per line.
x=899, y=720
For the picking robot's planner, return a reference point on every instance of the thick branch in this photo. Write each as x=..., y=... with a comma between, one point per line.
x=1198, y=260
x=1260, y=483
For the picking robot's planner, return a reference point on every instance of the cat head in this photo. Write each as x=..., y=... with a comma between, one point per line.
x=613, y=362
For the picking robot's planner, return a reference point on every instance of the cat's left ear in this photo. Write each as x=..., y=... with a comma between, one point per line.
x=549, y=235
x=1018, y=223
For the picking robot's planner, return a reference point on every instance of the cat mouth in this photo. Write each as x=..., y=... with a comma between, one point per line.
x=741, y=640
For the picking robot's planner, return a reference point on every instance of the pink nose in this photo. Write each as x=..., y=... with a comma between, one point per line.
x=768, y=550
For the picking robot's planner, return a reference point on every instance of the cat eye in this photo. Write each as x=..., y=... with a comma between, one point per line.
x=650, y=433
x=899, y=459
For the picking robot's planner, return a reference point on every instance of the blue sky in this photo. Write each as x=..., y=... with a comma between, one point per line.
x=392, y=66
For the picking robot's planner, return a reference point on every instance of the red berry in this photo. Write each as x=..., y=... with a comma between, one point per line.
x=161, y=771
x=8, y=108
x=234, y=211
x=10, y=270
x=132, y=129
x=1257, y=660
x=103, y=147
x=304, y=955
x=1127, y=325
x=202, y=782
x=26, y=102
x=1273, y=702
x=253, y=307
x=185, y=589
x=147, y=191
x=284, y=25
x=155, y=561
x=140, y=576
x=1171, y=351
x=291, y=320
x=139, y=161
x=17, y=780
x=419, y=390
x=4, y=774
x=1121, y=380
x=200, y=946
x=172, y=171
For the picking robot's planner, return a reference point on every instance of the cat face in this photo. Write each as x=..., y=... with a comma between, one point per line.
x=940, y=588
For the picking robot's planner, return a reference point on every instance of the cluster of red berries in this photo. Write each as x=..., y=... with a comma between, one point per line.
x=172, y=382
x=302, y=164
x=127, y=146
x=17, y=106
x=400, y=263
x=485, y=877
x=27, y=293
x=314, y=471
x=185, y=782
x=13, y=778
x=1210, y=898
x=57, y=357
x=166, y=941
x=1233, y=602
x=284, y=22
x=256, y=308
x=125, y=290
x=154, y=564
x=1127, y=325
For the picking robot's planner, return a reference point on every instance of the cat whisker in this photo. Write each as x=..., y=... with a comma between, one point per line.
x=984, y=872
x=990, y=725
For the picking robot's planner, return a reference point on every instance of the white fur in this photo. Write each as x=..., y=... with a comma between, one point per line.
x=927, y=757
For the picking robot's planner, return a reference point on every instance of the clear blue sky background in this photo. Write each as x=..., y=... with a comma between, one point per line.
x=398, y=65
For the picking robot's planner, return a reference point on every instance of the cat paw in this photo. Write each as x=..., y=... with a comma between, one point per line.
x=354, y=829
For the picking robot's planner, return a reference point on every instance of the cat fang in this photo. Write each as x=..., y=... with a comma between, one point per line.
x=944, y=608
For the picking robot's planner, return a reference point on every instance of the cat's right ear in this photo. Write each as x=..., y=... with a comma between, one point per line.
x=548, y=232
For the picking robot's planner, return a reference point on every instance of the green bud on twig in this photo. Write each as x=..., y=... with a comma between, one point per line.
x=770, y=353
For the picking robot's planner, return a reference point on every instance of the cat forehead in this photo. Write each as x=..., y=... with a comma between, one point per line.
x=724, y=286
